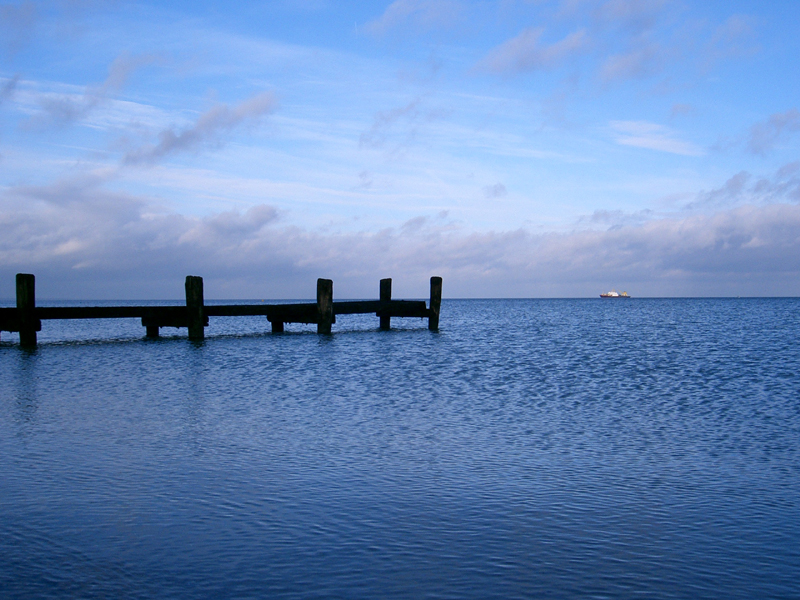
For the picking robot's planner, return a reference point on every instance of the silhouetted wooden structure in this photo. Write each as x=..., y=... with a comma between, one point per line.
x=27, y=318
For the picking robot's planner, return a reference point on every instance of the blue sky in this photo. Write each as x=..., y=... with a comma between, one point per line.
x=516, y=148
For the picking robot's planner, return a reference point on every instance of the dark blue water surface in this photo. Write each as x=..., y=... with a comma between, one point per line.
x=530, y=449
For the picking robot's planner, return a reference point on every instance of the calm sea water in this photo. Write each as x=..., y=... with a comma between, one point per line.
x=530, y=449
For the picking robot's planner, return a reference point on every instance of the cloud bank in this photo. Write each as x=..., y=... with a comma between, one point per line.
x=83, y=240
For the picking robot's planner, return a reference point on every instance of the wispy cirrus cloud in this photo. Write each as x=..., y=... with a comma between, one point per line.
x=766, y=135
x=60, y=110
x=377, y=134
x=400, y=125
x=744, y=188
x=733, y=38
x=733, y=191
x=642, y=134
x=17, y=22
x=680, y=109
x=622, y=40
x=643, y=61
x=635, y=16
x=7, y=88
x=526, y=52
x=418, y=14
x=498, y=190
x=219, y=119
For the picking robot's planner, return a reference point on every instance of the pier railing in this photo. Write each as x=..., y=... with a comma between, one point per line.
x=27, y=318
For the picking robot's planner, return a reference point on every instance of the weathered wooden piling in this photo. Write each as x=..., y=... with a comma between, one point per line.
x=324, y=305
x=436, y=303
x=27, y=322
x=196, y=318
x=386, y=296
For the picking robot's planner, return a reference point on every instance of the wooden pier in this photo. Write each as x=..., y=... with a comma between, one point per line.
x=27, y=318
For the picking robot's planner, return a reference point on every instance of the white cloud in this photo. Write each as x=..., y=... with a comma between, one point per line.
x=642, y=134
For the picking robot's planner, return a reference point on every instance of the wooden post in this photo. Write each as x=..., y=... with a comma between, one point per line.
x=324, y=305
x=277, y=326
x=436, y=302
x=194, y=307
x=152, y=331
x=26, y=305
x=386, y=295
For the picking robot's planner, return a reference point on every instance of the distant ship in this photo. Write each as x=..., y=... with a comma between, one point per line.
x=615, y=294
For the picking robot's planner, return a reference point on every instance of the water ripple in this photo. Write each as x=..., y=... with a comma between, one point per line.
x=532, y=448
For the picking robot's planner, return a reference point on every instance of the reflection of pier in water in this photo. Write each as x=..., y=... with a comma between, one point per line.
x=27, y=318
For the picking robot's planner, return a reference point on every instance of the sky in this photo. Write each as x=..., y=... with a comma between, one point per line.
x=515, y=148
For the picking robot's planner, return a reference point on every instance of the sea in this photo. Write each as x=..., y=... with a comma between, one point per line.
x=541, y=448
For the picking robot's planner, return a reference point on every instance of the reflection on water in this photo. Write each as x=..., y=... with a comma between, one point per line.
x=25, y=387
x=532, y=448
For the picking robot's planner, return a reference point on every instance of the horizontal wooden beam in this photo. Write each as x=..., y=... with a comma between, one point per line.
x=176, y=316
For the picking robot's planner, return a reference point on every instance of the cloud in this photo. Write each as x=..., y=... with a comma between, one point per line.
x=219, y=119
x=364, y=180
x=615, y=219
x=731, y=192
x=634, y=15
x=401, y=124
x=498, y=190
x=732, y=38
x=741, y=188
x=234, y=223
x=525, y=53
x=419, y=14
x=679, y=109
x=637, y=63
x=766, y=135
x=376, y=135
x=62, y=110
x=83, y=240
x=642, y=134
x=17, y=22
x=622, y=40
x=7, y=89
